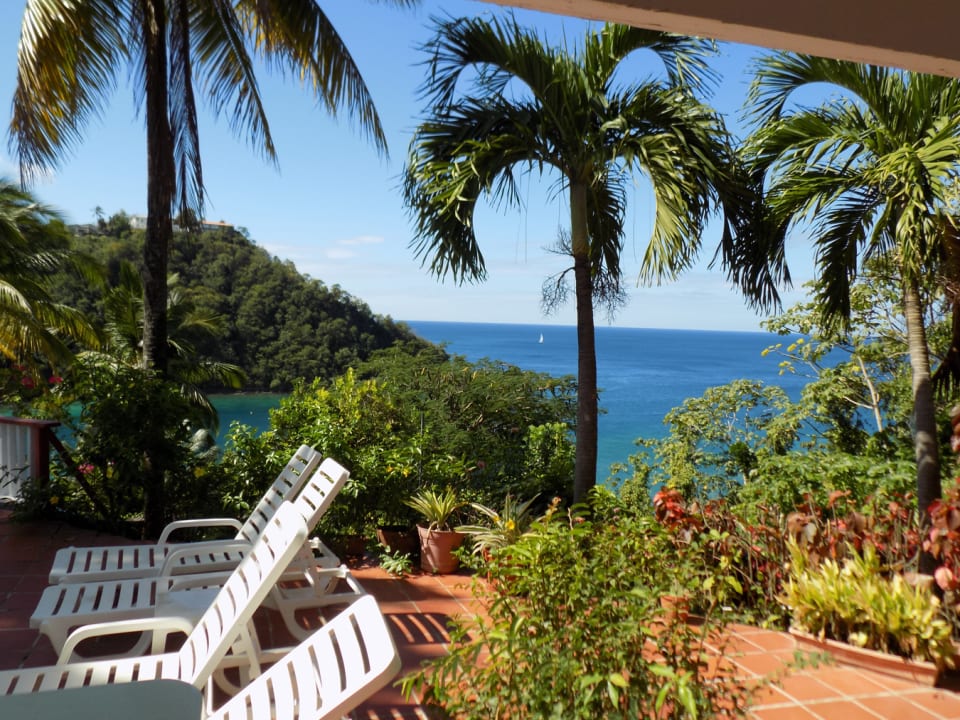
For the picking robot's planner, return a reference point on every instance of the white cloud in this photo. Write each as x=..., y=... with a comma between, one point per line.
x=362, y=240
x=338, y=254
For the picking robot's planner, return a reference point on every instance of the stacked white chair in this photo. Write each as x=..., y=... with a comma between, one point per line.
x=329, y=674
x=95, y=608
x=91, y=564
x=223, y=626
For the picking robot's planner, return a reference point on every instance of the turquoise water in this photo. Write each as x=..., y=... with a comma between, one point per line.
x=251, y=409
x=642, y=373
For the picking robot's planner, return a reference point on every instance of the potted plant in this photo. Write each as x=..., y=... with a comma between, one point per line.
x=438, y=539
x=897, y=627
x=505, y=527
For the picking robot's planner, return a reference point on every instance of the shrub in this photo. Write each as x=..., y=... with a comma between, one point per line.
x=575, y=628
x=856, y=603
x=126, y=416
x=405, y=422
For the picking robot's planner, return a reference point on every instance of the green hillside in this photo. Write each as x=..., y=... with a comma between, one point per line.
x=278, y=325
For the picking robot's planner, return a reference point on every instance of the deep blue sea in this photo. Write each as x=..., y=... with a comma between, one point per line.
x=642, y=373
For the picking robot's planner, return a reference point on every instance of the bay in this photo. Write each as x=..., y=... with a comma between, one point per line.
x=642, y=373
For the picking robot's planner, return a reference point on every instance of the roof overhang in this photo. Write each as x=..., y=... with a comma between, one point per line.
x=920, y=35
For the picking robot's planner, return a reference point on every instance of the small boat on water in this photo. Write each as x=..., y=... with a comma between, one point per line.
x=541, y=338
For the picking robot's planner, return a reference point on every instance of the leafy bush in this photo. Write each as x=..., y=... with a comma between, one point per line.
x=856, y=603
x=576, y=629
x=127, y=420
x=406, y=422
x=750, y=544
x=797, y=478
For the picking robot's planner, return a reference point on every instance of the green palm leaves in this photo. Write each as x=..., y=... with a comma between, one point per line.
x=33, y=246
x=71, y=54
x=870, y=172
x=501, y=101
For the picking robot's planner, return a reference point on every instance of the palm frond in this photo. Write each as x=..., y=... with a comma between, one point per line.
x=50, y=104
x=297, y=39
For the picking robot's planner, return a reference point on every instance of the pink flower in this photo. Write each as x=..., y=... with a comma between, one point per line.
x=944, y=577
x=27, y=381
x=85, y=468
x=55, y=380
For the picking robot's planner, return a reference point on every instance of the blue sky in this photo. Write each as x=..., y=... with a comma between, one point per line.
x=333, y=207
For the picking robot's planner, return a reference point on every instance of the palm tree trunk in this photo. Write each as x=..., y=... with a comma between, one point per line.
x=160, y=192
x=924, y=415
x=160, y=188
x=585, y=463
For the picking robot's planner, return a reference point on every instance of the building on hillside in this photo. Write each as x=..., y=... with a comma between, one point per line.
x=139, y=222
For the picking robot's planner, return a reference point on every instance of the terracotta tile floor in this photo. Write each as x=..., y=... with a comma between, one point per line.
x=418, y=608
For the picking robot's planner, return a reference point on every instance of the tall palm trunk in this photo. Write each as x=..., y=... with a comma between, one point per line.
x=924, y=415
x=160, y=191
x=585, y=463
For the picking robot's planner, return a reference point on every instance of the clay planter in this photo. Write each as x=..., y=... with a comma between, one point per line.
x=675, y=607
x=399, y=538
x=436, y=550
x=925, y=673
x=348, y=546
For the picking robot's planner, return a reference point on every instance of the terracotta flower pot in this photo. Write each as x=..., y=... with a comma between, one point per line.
x=399, y=539
x=925, y=673
x=436, y=550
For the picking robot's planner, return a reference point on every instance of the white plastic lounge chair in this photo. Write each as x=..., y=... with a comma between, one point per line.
x=224, y=625
x=338, y=667
x=78, y=605
x=90, y=564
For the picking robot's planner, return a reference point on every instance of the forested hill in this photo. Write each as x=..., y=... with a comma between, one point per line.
x=278, y=325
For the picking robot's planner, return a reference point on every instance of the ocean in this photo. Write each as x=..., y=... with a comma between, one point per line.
x=642, y=373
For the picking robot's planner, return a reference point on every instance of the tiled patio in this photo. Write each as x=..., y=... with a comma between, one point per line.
x=418, y=608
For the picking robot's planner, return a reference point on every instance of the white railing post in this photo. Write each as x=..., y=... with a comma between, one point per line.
x=24, y=453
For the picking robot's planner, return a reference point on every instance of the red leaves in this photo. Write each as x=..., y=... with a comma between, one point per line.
x=943, y=539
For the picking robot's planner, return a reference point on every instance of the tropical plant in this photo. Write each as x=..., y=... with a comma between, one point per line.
x=33, y=246
x=70, y=55
x=437, y=507
x=868, y=173
x=858, y=387
x=395, y=563
x=423, y=419
x=544, y=647
x=571, y=118
x=68, y=60
x=716, y=440
x=128, y=418
x=123, y=313
x=854, y=602
x=505, y=527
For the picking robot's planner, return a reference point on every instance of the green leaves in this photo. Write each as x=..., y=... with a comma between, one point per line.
x=575, y=628
x=860, y=603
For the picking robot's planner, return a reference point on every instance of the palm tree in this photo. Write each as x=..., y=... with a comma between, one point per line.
x=123, y=314
x=33, y=246
x=71, y=53
x=869, y=173
x=573, y=119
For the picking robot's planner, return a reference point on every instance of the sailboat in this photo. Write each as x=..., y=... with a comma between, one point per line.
x=541, y=338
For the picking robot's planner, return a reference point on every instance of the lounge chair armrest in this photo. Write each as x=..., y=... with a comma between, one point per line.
x=343, y=573
x=186, y=581
x=120, y=627
x=197, y=523
x=195, y=580
x=174, y=556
